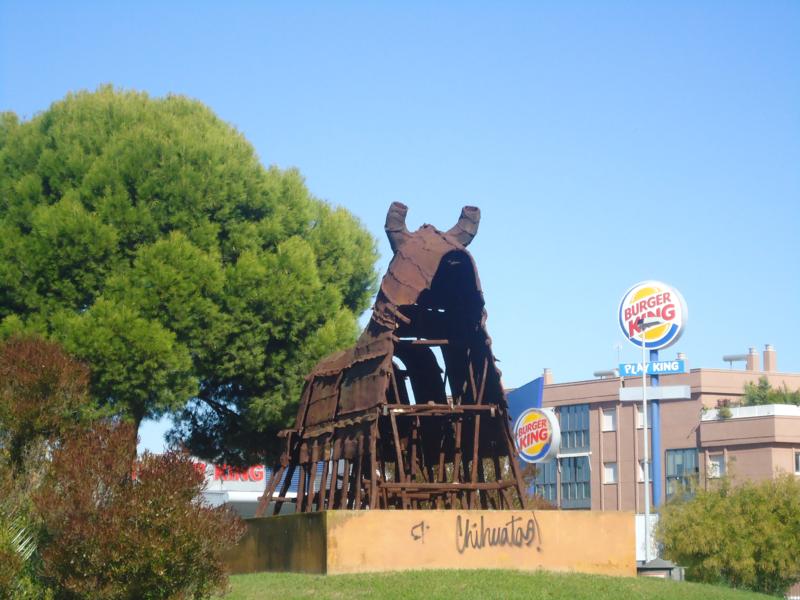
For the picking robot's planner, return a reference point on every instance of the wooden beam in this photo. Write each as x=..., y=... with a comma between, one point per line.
x=400, y=464
x=323, y=485
x=285, y=488
x=446, y=487
x=273, y=482
x=359, y=483
x=344, y=494
x=301, y=488
x=421, y=342
x=312, y=479
x=373, y=467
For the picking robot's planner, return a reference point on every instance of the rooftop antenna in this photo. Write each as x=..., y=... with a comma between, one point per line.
x=618, y=348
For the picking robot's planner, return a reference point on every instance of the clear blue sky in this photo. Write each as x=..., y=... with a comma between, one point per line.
x=605, y=143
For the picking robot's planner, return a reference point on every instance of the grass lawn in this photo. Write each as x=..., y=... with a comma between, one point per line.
x=465, y=585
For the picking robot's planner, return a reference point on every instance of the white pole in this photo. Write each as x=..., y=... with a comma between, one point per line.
x=646, y=451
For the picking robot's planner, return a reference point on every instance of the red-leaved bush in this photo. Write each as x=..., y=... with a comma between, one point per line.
x=111, y=531
x=43, y=393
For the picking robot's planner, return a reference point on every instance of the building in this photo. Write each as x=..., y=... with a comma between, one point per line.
x=240, y=489
x=600, y=465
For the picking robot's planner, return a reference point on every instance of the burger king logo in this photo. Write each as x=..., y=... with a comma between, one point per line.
x=662, y=310
x=537, y=435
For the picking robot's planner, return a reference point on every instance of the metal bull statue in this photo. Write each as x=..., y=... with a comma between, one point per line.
x=361, y=440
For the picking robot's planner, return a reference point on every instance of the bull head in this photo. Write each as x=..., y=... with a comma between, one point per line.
x=462, y=232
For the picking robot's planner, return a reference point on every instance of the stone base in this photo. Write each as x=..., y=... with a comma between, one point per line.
x=363, y=541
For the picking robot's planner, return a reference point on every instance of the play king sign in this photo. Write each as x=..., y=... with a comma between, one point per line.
x=660, y=307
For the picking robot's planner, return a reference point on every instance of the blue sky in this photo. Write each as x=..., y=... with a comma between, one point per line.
x=606, y=143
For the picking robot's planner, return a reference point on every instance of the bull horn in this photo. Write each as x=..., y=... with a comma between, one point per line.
x=467, y=225
x=395, y=226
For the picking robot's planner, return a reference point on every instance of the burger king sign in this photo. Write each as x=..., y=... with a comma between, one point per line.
x=537, y=435
x=658, y=305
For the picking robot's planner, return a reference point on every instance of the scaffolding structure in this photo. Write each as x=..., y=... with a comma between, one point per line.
x=414, y=415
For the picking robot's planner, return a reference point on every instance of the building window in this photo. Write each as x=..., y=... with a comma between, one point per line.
x=640, y=417
x=610, y=472
x=797, y=463
x=545, y=481
x=575, y=482
x=574, y=422
x=609, y=419
x=716, y=466
x=681, y=471
x=640, y=470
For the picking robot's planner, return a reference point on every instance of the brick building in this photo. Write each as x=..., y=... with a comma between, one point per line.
x=600, y=464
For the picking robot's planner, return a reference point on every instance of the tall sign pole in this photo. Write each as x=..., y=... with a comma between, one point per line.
x=646, y=448
x=644, y=325
x=652, y=315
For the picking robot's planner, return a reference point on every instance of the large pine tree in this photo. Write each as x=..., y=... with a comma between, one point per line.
x=145, y=235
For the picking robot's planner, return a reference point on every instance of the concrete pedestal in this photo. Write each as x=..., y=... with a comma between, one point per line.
x=335, y=542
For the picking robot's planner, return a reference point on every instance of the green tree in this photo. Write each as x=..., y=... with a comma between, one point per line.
x=145, y=236
x=746, y=536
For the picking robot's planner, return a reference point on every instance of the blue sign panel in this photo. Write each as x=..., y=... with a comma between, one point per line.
x=525, y=397
x=661, y=367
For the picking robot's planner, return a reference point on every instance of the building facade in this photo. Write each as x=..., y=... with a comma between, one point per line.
x=601, y=462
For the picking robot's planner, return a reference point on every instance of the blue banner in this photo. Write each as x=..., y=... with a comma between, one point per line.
x=661, y=367
x=525, y=397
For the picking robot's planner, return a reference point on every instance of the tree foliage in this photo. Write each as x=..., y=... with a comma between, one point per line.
x=145, y=235
x=110, y=533
x=763, y=393
x=746, y=536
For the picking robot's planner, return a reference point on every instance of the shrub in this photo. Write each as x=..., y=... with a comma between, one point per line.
x=763, y=393
x=43, y=392
x=114, y=532
x=746, y=536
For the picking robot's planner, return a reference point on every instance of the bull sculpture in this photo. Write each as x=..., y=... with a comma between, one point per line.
x=381, y=425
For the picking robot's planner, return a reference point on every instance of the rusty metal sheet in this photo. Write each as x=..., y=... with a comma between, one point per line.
x=364, y=384
x=323, y=398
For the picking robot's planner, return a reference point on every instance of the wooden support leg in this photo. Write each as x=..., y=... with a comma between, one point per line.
x=512, y=461
x=457, y=462
x=323, y=486
x=301, y=490
x=484, y=495
x=473, y=476
x=273, y=482
x=466, y=495
x=373, y=466
x=359, y=479
x=335, y=462
x=400, y=474
x=476, y=437
x=441, y=472
x=414, y=440
x=285, y=488
x=344, y=494
x=498, y=475
x=312, y=480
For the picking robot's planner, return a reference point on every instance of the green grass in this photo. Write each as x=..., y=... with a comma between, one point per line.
x=465, y=585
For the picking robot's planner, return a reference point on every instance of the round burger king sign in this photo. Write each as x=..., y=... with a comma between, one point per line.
x=662, y=309
x=537, y=435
